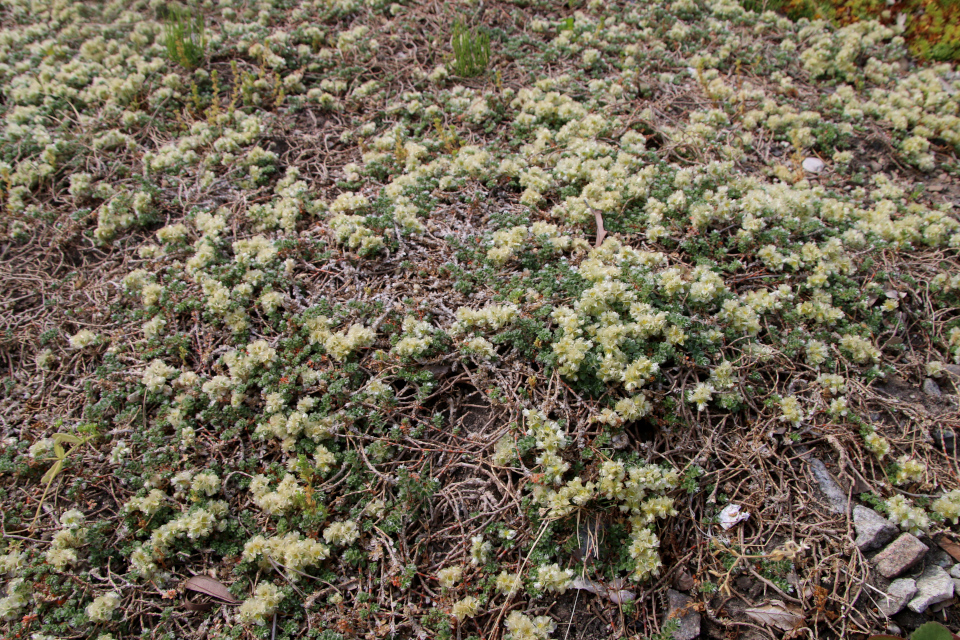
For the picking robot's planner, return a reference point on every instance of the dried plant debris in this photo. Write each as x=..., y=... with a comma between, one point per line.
x=352, y=319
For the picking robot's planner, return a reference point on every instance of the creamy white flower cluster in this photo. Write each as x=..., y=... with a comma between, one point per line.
x=836, y=54
x=266, y=598
x=508, y=583
x=507, y=242
x=640, y=492
x=550, y=577
x=416, y=339
x=351, y=231
x=276, y=501
x=480, y=550
x=121, y=212
x=448, y=577
x=919, y=107
x=83, y=339
x=293, y=199
x=860, y=350
x=550, y=439
x=342, y=343
x=480, y=347
x=909, y=470
x=210, y=145
x=195, y=524
x=490, y=318
x=102, y=607
x=342, y=534
x=63, y=548
x=464, y=608
x=910, y=518
x=877, y=444
x=290, y=424
x=948, y=506
x=290, y=550
x=18, y=597
x=522, y=627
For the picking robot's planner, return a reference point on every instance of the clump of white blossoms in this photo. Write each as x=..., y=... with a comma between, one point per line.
x=948, y=506
x=480, y=347
x=63, y=548
x=701, y=395
x=791, y=411
x=466, y=608
x=289, y=550
x=910, y=518
x=908, y=470
x=83, y=339
x=552, y=578
x=508, y=583
x=342, y=343
x=342, y=534
x=480, y=550
x=876, y=443
x=448, y=577
x=266, y=598
x=490, y=318
x=278, y=500
x=102, y=607
x=417, y=336
x=18, y=597
x=522, y=627
x=858, y=349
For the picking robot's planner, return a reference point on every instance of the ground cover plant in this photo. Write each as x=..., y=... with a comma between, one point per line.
x=341, y=318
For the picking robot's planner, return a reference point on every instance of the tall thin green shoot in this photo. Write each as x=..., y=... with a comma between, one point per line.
x=185, y=39
x=471, y=51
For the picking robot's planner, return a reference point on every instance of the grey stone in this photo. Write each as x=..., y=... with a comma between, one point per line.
x=873, y=530
x=956, y=585
x=933, y=586
x=955, y=571
x=931, y=388
x=678, y=606
x=813, y=165
x=834, y=493
x=945, y=440
x=900, y=555
x=939, y=557
x=898, y=595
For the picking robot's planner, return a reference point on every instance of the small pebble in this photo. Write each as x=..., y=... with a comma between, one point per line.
x=813, y=165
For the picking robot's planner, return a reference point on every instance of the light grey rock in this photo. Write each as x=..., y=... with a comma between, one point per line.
x=836, y=496
x=931, y=388
x=956, y=585
x=934, y=585
x=678, y=606
x=873, y=530
x=813, y=165
x=900, y=555
x=898, y=595
x=955, y=571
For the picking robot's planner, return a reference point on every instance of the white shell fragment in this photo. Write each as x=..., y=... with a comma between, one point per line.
x=813, y=165
x=731, y=516
x=615, y=593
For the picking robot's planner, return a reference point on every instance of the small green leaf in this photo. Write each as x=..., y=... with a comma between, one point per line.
x=931, y=631
x=52, y=472
x=58, y=451
x=66, y=437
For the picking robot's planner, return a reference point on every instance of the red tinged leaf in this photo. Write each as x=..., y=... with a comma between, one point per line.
x=950, y=547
